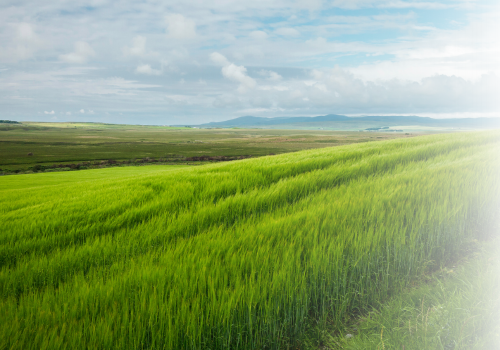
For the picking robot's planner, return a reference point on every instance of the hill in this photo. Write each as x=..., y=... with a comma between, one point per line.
x=341, y=122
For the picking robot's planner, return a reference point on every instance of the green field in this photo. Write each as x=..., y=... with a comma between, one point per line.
x=56, y=180
x=240, y=255
x=456, y=307
x=72, y=143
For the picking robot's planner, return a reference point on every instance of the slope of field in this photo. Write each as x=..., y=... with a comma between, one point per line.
x=239, y=255
x=62, y=179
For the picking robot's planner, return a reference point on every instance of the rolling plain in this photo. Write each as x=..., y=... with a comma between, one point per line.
x=87, y=145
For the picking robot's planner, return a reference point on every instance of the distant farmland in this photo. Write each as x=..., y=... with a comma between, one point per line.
x=240, y=255
x=55, y=146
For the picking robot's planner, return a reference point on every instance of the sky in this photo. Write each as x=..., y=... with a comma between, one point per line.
x=192, y=61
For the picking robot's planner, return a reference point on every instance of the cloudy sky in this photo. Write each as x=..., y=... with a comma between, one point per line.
x=193, y=61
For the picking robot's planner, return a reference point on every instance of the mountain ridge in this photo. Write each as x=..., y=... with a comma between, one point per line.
x=330, y=120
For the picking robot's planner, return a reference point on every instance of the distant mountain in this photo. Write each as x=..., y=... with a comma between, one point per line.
x=342, y=122
x=259, y=121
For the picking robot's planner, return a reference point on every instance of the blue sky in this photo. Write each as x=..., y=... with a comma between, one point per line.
x=180, y=62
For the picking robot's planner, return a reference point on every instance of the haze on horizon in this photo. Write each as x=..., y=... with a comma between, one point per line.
x=189, y=62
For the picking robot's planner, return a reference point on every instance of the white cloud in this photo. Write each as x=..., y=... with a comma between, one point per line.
x=26, y=32
x=219, y=59
x=233, y=72
x=227, y=101
x=388, y=73
x=146, y=69
x=82, y=53
x=180, y=27
x=258, y=35
x=338, y=88
x=445, y=51
x=51, y=112
x=178, y=99
x=317, y=74
x=287, y=31
x=339, y=91
x=24, y=43
x=270, y=75
x=138, y=47
x=238, y=73
x=467, y=52
x=394, y=4
x=427, y=5
x=82, y=111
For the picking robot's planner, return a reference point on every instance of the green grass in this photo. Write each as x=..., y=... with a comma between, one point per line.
x=458, y=307
x=241, y=255
x=63, y=143
x=61, y=179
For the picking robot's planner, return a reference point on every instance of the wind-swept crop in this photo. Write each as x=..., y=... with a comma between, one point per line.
x=240, y=255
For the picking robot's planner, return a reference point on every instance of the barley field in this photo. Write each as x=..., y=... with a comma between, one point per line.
x=240, y=255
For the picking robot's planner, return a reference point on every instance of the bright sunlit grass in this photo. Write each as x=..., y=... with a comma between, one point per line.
x=25, y=181
x=458, y=307
x=237, y=256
